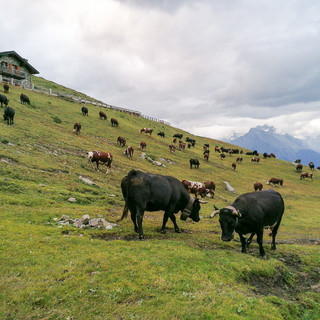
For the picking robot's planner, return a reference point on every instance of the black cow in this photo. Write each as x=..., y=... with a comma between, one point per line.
x=152, y=192
x=161, y=134
x=24, y=99
x=6, y=88
x=84, y=111
x=8, y=115
x=253, y=153
x=191, y=141
x=311, y=165
x=299, y=167
x=4, y=100
x=195, y=163
x=251, y=213
x=178, y=135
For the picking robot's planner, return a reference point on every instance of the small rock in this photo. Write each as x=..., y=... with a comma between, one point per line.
x=72, y=200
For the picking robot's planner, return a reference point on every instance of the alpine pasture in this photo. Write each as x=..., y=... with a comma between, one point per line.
x=54, y=271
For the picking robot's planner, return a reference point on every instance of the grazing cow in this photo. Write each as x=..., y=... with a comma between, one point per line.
x=114, y=122
x=153, y=192
x=271, y=155
x=230, y=152
x=102, y=115
x=161, y=134
x=254, y=159
x=311, y=165
x=77, y=127
x=297, y=161
x=299, y=167
x=100, y=157
x=251, y=213
x=234, y=166
x=129, y=152
x=6, y=88
x=146, y=130
x=210, y=187
x=195, y=163
x=253, y=153
x=306, y=175
x=172, y=148
x=206, y=154
x=206, y=146
x=222, y=156
x=8, y=115
x=142, y=145
x=4, y=100
x=275, y=181
x=182, y=146
x=239, y=159
x=121, y=141
x=178, y=135
x=217, y=149
x=192, y=141
x=84, y=111
x=257, y=186
x=24, y=99
x=195, y=188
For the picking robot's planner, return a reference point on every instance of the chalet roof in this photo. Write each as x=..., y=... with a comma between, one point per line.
x=23, y=61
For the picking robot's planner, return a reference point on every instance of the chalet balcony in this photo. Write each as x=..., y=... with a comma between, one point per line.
x=14, y=73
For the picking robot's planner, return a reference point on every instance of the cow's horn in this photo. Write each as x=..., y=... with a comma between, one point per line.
x=201, y=201
x=236, y=213
x=214, y=213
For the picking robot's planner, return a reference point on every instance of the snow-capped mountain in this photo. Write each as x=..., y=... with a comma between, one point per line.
x=285, y=147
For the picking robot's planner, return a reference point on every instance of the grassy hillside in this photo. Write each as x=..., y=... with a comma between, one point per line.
x=49, y=271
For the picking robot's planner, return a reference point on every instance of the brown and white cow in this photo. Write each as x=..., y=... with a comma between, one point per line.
x=102, y=115
x=100, y=157
x=255, y=159
x=194, y=187
x=210, y=187
x=129, y=152
x=172, y=148
x=77, y=127
x=275, y=181
x=142, y=145
x=146, y=130
x=121, y=141
x=206, y=155
x=306, y=175
x=234, y=166
x=182, y=146
x=239, y=159
x=217, y=149
x=257, y=186
x=299, y=167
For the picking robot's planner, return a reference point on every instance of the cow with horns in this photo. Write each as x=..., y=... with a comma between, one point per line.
x=100, y=157
x=251, y=213
x=153, y=192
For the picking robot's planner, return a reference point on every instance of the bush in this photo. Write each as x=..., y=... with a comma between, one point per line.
x=56, y=119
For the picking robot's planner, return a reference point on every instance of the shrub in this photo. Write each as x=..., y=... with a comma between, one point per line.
x=56, y=119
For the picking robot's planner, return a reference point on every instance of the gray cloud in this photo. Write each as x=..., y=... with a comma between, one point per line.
x=193, y=63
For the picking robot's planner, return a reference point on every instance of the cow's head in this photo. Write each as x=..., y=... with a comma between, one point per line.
x=228, y=219
x=192, y=210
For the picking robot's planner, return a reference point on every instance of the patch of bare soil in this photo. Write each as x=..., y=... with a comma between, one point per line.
x=288, y=282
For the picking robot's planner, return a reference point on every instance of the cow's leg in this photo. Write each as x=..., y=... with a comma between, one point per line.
x=259, y=240
x=140, y=213
x=164, y=222
x=250, y=239
x=243, y=243
x=134, y=220
x=174, y=221
x=274, y=233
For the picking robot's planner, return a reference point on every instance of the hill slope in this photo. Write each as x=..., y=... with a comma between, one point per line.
x=51, y=271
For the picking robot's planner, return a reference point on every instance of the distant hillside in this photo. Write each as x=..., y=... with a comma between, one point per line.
x=286, y=147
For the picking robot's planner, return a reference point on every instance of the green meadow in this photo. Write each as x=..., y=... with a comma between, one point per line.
x=54, y=271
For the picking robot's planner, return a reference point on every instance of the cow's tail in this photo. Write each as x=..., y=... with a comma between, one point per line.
x=126, y=196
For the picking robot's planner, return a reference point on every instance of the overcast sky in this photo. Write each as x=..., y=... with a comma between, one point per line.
x=210, y=67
